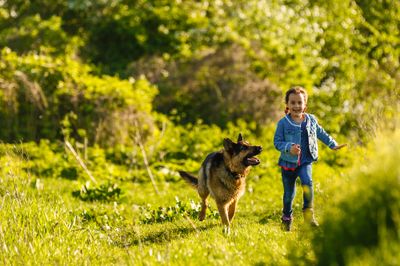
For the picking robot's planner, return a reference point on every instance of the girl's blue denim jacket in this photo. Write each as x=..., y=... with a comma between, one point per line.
x=288, y=133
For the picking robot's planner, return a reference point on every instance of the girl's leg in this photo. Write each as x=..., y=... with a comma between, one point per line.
x=289, y=191
x=305, y=173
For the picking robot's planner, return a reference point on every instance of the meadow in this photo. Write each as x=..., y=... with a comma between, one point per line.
x=55, y=218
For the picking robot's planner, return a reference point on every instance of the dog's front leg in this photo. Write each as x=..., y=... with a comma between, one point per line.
x=232, y=209
x=223, y=212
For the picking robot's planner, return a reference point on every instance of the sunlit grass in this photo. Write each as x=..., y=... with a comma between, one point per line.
x=42, y=222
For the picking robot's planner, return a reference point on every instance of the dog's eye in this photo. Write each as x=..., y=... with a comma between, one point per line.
x=243, y=148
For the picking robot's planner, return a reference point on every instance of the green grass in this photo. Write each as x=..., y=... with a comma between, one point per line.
x=42, y=223
x=42, y=227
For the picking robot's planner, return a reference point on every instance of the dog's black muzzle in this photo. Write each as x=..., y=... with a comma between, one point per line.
x=250, y=159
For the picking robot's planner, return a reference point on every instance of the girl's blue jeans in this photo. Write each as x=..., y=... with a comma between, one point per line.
x=289, y=188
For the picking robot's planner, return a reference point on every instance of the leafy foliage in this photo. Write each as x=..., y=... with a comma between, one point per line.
x=222, y=80
x=366, y=218
x=234, y=57
x=62, y=93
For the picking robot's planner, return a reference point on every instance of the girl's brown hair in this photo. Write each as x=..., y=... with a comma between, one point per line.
x=295, y=90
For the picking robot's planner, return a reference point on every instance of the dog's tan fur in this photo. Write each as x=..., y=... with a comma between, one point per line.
x=223, y=176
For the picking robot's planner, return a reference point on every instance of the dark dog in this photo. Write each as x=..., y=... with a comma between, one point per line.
x=223, y=175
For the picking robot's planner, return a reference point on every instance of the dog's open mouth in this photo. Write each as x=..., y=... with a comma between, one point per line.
x=251, y=161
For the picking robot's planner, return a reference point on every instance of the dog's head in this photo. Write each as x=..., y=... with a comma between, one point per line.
x=241, y=154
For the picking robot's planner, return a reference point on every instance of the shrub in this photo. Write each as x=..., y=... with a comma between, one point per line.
x=366, y=218
x=54, y=98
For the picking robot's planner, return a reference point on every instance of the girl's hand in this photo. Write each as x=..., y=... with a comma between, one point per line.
x=338, y=147
x=295, y=149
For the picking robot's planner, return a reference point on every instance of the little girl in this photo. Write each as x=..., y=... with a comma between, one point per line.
x=296, y=138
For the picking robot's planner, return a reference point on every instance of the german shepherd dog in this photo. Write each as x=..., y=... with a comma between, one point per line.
x=223, y=175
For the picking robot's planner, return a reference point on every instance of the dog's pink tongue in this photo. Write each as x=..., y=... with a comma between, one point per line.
x=253, y=160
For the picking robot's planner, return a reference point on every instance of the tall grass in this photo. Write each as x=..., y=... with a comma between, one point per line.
x=363, y=225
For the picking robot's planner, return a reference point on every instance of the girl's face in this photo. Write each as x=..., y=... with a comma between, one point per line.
x=296, y=104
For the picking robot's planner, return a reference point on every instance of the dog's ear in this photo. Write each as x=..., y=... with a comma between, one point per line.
x=228, y=145
x=240, y=138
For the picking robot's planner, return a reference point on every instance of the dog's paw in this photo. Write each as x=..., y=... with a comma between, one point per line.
x=202, y=216
x=226, y=230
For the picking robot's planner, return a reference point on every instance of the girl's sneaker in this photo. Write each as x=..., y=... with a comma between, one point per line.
x=287, y=223
x=309, y=218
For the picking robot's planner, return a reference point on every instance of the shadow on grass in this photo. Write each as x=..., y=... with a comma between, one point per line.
x=270, y=216
x=159, y=237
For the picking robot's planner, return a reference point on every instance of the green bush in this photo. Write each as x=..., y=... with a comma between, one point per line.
x=366, y=217
x=57, y=97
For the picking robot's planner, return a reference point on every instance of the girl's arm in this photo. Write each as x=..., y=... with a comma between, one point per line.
x=327, y=139
x=279, y=139
x=322, y=135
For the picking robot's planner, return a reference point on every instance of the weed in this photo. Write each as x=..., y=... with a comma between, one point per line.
x=170, y=213
x=107, y=192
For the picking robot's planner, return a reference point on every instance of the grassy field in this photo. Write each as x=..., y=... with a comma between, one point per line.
x=42, y=223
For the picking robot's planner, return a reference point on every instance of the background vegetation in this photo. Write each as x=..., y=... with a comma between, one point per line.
x=101, y=102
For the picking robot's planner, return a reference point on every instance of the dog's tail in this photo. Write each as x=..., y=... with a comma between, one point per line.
x=191, y=179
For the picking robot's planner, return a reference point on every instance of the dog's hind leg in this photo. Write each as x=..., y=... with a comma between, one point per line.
x=204, y=202
x=232, y=209
x=203, y=193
